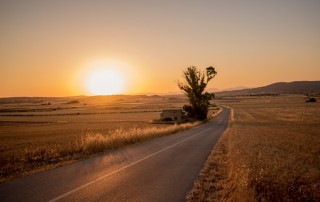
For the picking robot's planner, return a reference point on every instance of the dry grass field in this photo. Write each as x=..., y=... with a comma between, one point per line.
x=270, y=152
x=36, y=136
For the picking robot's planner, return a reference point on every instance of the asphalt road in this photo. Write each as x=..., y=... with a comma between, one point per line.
x=162, y=169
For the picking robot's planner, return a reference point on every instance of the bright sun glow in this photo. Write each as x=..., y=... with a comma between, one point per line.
x=104, y=81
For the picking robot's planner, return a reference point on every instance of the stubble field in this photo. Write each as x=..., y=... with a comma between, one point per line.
x=270, y=152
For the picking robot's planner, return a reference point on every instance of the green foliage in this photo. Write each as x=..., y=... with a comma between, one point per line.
x=194, y=85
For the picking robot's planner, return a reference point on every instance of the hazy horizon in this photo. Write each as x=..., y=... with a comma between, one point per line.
x=215, y=90
x=69, y=48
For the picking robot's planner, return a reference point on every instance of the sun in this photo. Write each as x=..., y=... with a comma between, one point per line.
x=104, y=81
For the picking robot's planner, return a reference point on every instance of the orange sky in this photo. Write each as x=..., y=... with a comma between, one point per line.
x=48, y=47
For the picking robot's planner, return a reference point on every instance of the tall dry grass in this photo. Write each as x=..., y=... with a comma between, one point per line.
x=97, y=142
x=269, y=153
x=26, y=160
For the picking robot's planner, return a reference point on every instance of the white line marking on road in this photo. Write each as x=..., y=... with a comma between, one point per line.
x=124, y=167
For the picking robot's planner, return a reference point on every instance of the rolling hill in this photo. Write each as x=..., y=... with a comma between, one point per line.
x=296, y=87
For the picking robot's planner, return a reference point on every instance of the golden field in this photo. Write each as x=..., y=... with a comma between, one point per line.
x=270, y=152
x=40, y=135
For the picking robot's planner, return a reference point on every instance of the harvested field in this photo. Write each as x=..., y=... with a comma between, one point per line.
x=36, y=136
x=270, y=152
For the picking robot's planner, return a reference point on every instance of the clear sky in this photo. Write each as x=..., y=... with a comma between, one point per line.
x=48, y=48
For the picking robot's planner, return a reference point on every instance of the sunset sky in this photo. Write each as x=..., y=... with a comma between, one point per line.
x=61, y=47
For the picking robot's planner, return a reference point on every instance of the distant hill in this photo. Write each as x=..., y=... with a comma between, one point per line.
x=74, y=99
x=215, y=90
x=34, y=100
x=296, y=87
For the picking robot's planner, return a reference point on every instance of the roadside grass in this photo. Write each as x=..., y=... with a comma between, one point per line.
x=270, y=152
x=28, y=159
x=97, y=142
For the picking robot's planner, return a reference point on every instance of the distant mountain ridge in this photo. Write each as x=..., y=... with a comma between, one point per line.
x=295, y=87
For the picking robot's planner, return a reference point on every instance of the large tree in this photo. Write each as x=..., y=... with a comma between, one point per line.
x=194, y=84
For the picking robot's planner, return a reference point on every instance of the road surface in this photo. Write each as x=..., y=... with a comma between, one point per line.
x=161, y=169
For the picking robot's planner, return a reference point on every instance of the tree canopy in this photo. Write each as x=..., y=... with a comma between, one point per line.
x=194, y=84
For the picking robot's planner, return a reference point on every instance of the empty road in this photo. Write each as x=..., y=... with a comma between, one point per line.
x=161, y=169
